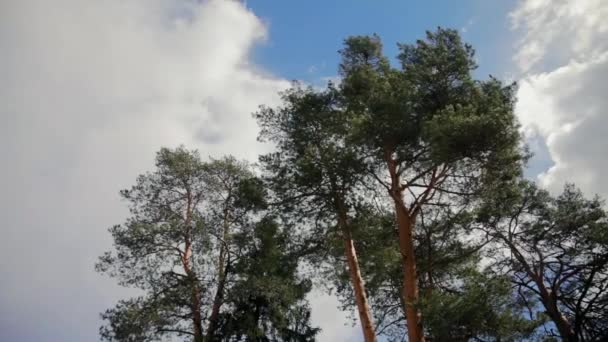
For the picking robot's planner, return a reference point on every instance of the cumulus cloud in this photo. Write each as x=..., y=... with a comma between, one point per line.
x=563, y=57
x=555, y=31
x=90, y=90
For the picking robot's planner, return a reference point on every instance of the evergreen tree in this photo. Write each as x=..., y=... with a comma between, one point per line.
x=556, y=251
x=431, y=134
x=268, y=302
x=161, y=250
x=461, y=300
x=233, y=195
x=317, y=174
x=428, y=132
x=405, y=179
x=181, y=248
x=479, y=307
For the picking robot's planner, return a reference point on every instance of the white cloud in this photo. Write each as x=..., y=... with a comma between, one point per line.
x=90, y=90
x=335, y=325
x=555, y=31
x=562, y=94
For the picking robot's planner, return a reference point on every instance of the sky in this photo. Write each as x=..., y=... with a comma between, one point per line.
x=90, y=90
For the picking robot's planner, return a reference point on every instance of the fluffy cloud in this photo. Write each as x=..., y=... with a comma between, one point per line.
x=555, y=31
x=90, y=90
x=563, y=56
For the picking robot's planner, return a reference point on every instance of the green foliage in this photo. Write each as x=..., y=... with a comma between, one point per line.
x=141, y=319
x=459, y=302
x=268, y=303
x=318, y=177
x=205, y=235
x=452, y=138
x=559, y=256
x=313, y=162
x=380, y=262
x=429, y=116
x=482, y=307
x=431, y=112
x=184, y=243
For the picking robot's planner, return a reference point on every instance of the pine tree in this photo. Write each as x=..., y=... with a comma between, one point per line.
x=460, y=299
x=316, y=173
x=268, y=303
x=182, y=247
x=555, y=249
x=430, y=132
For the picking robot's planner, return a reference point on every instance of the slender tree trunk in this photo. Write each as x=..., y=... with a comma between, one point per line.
x=367, y=323
x=197, y=323
x=405, y=225
x=550, y=303
x=410, y=277
x=547, y=297
x=222, y=274
x=217, y=303
x=197, y=319
x=563, y=326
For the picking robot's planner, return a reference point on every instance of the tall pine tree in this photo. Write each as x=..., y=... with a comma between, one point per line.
x=430, y=132
x=316, y=173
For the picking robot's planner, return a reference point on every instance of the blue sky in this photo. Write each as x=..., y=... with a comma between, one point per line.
x=92, y=89
x=305, y=36
x=308, y=34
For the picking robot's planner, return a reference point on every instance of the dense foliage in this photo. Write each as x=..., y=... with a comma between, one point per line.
x=205, y=255
x=399, y=187
x=555, y=249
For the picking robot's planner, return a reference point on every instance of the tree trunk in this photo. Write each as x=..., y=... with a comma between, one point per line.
x=405, y=225
x=563, y=326
x=410, y=277
x=197, y=323
x=196, y=314
x=197, y=319
x=550, y=303
x=548, y=298
x=367, y=324
x=222, y=274
x=217, y=303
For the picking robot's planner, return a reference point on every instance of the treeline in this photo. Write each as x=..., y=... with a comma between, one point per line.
x=400, y=188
